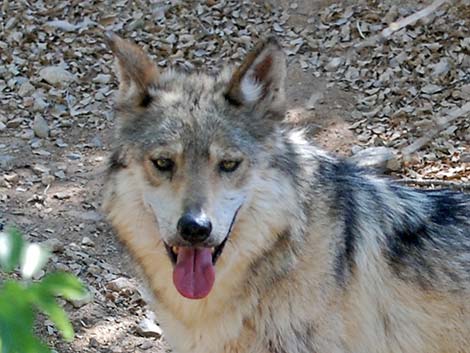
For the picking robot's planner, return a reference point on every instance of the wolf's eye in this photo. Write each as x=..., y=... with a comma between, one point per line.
x=163, y=164
x=229, y=166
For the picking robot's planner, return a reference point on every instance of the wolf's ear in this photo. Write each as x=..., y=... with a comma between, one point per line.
x=260, y=80
x=136, y=71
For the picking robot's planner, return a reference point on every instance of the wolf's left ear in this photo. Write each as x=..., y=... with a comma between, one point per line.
x=136, y=71
x=259, y=82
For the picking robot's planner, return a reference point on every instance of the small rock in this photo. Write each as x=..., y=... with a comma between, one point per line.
x=47, y=179
x=375, y=157
x=74, y=156
x=146, y=345
x=40, y=127
x=334, y=64
x=465, y=157
x=86, y=241
x=14, y=123
x=62, y=195
x=27, y=134
x=431, y=89
x=11, y=178
x=5, y=161
x=39, y=104
x=79, y=303
x=53, y=245
x=102, y=78
x=121, y=284
x=2, y=127
x=25, y=89
x=148, y=328
x=60, y=143
x=36, y=143
x=56, y=75
x=40, y=169
x=60, y=174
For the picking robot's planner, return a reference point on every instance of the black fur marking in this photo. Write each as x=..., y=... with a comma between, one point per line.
x=232, y=100
x=446, y=208
x=146, y=100
x=117, y=161
x=354, y=199
x=430, y=237
x=343, y=174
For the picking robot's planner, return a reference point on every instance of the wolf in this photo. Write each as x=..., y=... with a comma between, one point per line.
x=253, y=240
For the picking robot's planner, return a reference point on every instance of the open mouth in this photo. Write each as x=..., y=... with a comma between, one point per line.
x=173, y=251
x=194, y=271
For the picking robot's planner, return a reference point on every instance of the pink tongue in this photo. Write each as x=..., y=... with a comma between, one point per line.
x=194, y=273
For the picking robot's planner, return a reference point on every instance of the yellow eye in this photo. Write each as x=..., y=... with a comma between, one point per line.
x=229, y=166
x=163, y=164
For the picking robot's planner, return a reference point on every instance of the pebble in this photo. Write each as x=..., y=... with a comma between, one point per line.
x=74, y=156
x=40, y=169
x=86, y=241
x=56, y=75
x=5, y=161
x=47, y=179
x=148, y=328
x=146, y=345
x=40, y=127
x=380, y=158
x=120, y=284
x=60, y=174
x=54, y=245
x=102, y=78
x=11, y=178
x=14, y=123
x=62, y=195
x=82, y=302
x=60, y=143
x=25, y=89
x=2, y=127
x=465, y=157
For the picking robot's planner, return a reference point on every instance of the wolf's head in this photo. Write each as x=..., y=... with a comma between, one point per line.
x=196, y=145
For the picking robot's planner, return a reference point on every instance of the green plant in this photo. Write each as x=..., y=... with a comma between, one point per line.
x=20, y=300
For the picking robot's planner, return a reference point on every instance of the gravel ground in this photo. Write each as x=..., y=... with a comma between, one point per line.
x=56, y=89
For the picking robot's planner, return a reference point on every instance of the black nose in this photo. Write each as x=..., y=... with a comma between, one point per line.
x=194, y=228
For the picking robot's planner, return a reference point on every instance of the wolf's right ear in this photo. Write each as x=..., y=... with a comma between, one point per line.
x=136, y=71
x=259, y=82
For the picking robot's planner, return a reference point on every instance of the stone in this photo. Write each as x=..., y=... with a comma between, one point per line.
x=14, y=123
x=26, y=89
x=56, y=75
x=121, y=284
x=53, y=245
x=148, y=328
x=40, y=127
x=380, y=158
x=86, y=241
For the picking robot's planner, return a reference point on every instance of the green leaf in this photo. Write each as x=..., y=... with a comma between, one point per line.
x=11, y=246
x=65, y=285
x=47, y=304
x=16, y=321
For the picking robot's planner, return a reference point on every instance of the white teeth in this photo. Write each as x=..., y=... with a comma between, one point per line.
x=212, y=250
x=175, y=249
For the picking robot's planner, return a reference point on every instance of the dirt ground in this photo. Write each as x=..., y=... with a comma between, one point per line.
x=50, y=187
